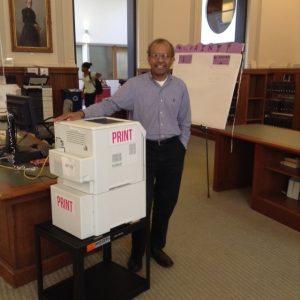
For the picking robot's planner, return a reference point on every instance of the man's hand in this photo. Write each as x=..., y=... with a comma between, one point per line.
x=70, y=116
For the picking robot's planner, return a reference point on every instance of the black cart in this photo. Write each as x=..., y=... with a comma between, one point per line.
x=105, y=280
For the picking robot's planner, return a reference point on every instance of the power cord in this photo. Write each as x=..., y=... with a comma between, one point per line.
x=24, y=169
x=39, y=173
x=22, y=139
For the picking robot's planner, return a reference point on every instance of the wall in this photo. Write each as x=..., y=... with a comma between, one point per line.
x=276, y=38
x=176, y=20
x=92, y=15
x=62, y=36
x=272, y=34
x=272, y=31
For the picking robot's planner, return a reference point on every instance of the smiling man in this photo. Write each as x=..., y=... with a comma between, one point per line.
x=160, y=102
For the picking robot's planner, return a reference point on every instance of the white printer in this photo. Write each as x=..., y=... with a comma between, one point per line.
x=5, y=89
x=100, y=164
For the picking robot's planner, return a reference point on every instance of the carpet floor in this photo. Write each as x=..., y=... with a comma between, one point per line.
x=222, y=249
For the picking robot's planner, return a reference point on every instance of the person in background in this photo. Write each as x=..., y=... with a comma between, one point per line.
x=89, y=79
x=30, y=35
x=101, y=84
x=160, y=102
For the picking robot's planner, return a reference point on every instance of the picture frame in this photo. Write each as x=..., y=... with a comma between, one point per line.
x=30, y=26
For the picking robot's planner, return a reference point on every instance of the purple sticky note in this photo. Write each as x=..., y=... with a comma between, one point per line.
x=190, y=47
x=235, y=48
x=195, y=48
x=178, y=48
x=185, y=59
x=186, y=48
x=199, y=47
x=223, y=47
x=212, y=48
x=205, y=48
x=221, y=59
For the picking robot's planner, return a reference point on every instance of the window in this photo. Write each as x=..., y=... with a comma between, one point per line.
x=223, y=21
x=104, y=33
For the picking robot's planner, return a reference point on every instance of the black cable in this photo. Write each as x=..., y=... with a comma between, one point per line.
x=22, y=139
x=48, y=119
x=52, y=137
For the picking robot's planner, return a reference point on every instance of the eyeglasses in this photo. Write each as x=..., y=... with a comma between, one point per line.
x=163, y=56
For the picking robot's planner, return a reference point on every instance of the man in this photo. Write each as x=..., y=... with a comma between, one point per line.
x=160, y=102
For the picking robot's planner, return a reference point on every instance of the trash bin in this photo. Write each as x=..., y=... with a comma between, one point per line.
x=72, y=100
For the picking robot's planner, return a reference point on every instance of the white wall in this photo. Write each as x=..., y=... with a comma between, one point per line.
x=279, y=37
x=103, y=27
x=176, y=20
x=62, y=37
x=272, y=36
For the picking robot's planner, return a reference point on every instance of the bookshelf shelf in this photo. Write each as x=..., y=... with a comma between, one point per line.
x=256, y=98
x=282, y=114
x=288, y=171
x=281, y=97
x=271, y=182
x=283, y=202
x=254, y=121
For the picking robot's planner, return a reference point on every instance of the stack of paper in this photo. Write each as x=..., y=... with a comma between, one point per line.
x=291, y=162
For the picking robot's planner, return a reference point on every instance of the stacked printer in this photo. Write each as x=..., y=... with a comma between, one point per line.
x=100, y=164
x=36, y=87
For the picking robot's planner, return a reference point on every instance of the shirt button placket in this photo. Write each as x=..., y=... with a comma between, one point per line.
x=160, y=117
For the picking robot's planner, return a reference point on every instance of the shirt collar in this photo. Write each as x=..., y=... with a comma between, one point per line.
x=170, y=77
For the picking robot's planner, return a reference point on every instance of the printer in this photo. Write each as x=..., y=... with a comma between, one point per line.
x=100, y=164
x=36, y=87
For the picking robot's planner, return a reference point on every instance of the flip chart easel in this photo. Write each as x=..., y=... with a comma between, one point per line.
x=210, y=73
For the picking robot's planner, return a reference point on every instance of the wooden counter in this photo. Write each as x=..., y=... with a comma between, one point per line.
x=24, y=203
x=257, y=151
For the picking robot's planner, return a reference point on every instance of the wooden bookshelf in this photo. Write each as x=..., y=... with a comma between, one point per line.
x=270, y=96
x=270, y=186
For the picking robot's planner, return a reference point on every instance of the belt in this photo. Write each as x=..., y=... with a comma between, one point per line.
x=163, y=142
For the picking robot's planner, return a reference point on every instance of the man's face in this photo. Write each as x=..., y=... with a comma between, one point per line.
x=160, y=60
x=29, y=3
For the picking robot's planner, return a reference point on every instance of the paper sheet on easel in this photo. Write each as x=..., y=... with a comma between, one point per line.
x=210, y=78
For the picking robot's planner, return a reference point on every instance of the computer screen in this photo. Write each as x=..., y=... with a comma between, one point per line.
x=27, y=112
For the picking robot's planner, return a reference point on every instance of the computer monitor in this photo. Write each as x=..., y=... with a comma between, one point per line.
x=27, y=112
x=24, y=113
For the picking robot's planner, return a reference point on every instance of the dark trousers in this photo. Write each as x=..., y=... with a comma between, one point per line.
x=164, y=170
x=89, y=99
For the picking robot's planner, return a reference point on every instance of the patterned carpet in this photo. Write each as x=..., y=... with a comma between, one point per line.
x=222, y=249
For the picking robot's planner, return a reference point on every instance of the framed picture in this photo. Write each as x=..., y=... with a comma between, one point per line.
x=30, y=25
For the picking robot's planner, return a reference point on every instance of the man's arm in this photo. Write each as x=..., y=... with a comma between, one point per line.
x=122, y=99
x=184, y=118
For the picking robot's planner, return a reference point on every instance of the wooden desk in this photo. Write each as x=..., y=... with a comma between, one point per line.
x=24, y=203
x=257, y=152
